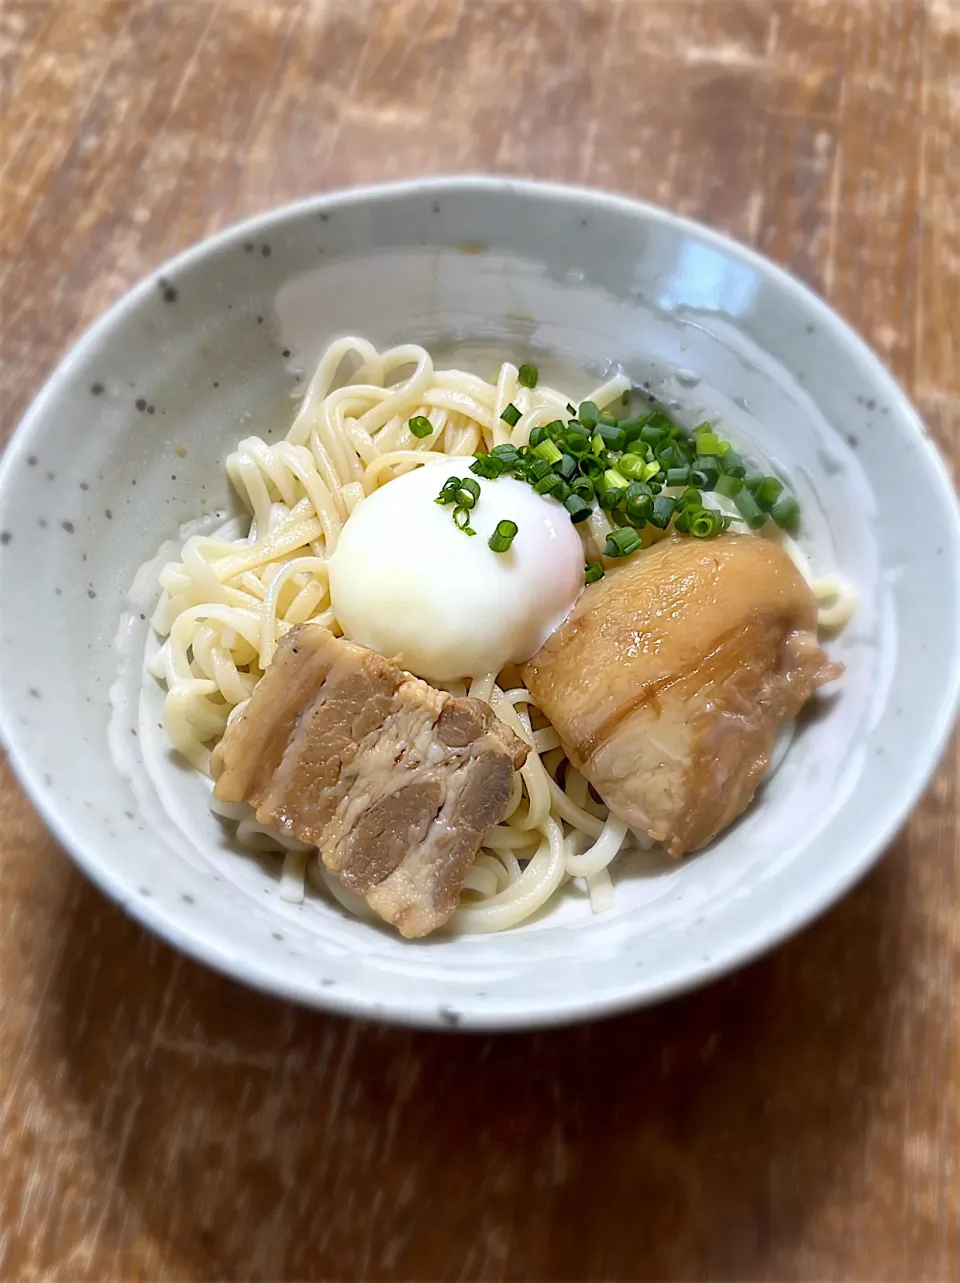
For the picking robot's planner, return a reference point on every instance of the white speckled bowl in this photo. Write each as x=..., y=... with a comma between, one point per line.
x=127, y=441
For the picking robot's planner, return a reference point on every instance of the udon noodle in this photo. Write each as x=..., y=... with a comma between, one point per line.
x=233, y=594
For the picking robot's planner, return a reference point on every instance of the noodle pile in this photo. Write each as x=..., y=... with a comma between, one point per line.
x=233, y=594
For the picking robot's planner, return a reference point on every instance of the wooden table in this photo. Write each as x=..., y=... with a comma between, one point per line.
x=800, y=1120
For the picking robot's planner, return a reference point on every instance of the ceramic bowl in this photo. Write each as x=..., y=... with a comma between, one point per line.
x=126, y=443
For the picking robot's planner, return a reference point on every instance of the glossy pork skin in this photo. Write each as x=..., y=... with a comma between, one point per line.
x=669, y=681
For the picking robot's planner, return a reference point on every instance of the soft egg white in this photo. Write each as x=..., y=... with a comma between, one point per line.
x=405, y=581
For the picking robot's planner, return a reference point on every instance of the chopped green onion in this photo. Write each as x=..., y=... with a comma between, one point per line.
x=622, y=542
x=632, y=428
x=651, y=433
x=448, y=493
x=503, y=536
x=612, y=480
x=768, y=492
x=611, y=435
x=706, y=466
x=461, y=519
x=567, y=467
x=488, y=466
x=420, y=426
x=578, y=508
x=663, y=510
x=548, y=450
x=511, y=415
x=732, y=464
x=650, y=470
x=528, y=375
x=638, y=508
x=625, y=396
x=572, y=408
x=691, y=498
x=561, y=492
x=705, y=524
x=549, y=483
x=468, y=493
x=508, y=453
x=749, y=509
x=584, y=487
x=753, y=481
x=591, y=466
x=678, y=476
x=631, y=466
x=597, y=444
x=577, y=444
x=539, y=434
x=786, y=512
x=588, y=414
x=681, y=522
x=608, y=420
x=707, y=442
x=728, y=486
x=593, y=572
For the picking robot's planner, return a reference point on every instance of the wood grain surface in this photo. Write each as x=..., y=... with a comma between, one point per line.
x=800, y=1120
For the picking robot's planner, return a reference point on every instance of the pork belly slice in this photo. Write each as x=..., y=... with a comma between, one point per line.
x=671, y=678
x=396, y=783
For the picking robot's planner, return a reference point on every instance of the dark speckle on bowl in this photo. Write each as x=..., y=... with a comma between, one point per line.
x=248, y=246
x=324, y=218
x=84, y=485
x=144, y=891
x=187, y=899
x=277, y=935
x=141, y=404
x=42, y=523
x=151, y=409
x=96, y=389
x=5, y=537
x=870, y=404
x=169, y=291
x=68, y=526
x=33, y=692
x=265, y=251
x=259, y=320
x=811, y=329
x=852, y=441
x=448, y=1015
x=436, y=207
x=286, y=351
x=90, y=593
x=108, y=514
x=31, y=460
x=51, y=476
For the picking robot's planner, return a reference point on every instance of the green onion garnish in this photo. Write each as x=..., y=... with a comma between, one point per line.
x=768, y=492
x=505, y=533
x=592, y=459
x=749, y=509
x=488, y=466
x=448, y=494
x=578, y=508
x=663, y=510
x=461, y=519
x=548, y=450
x=728, y=486
x=593, y=572
x=420, y=426
x=705, y=524
x=622, y=542
x=786, y=512
x=468, y=492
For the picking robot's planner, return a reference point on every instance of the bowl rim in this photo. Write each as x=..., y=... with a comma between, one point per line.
x=635, y=991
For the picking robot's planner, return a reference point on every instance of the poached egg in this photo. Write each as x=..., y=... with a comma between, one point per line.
x=407, y=582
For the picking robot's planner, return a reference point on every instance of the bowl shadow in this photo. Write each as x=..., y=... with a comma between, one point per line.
x=249, y=1139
